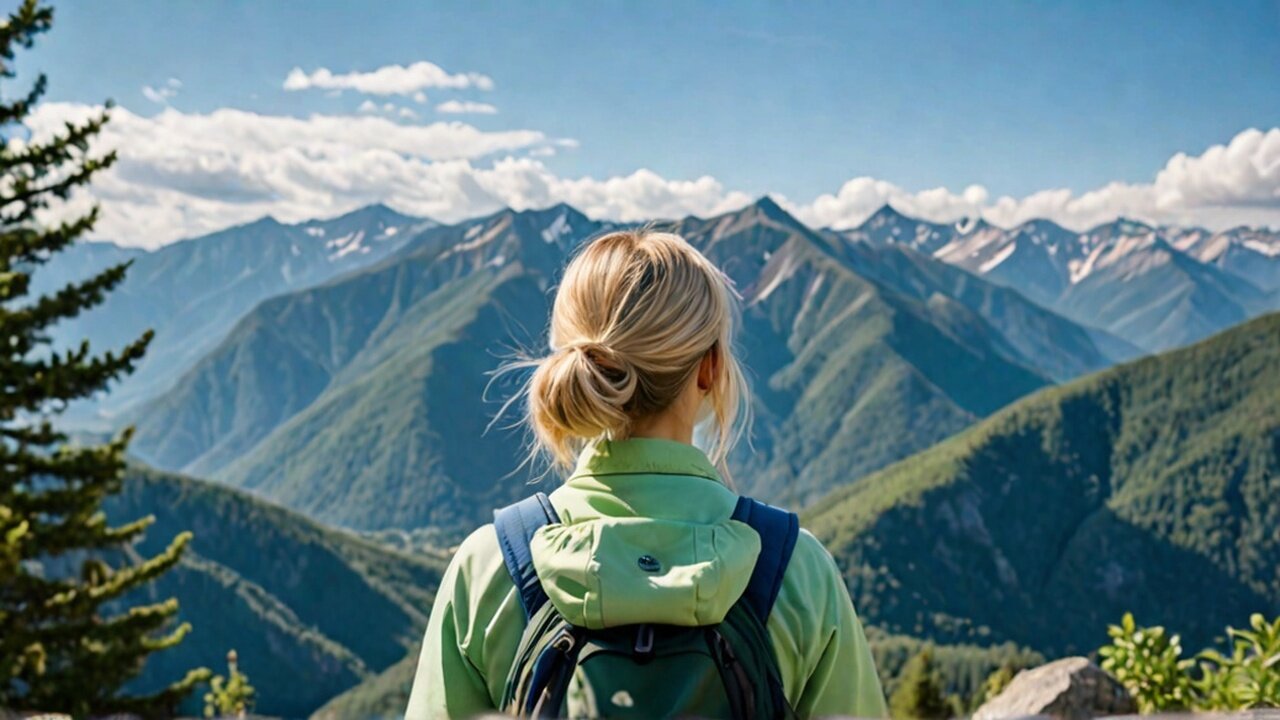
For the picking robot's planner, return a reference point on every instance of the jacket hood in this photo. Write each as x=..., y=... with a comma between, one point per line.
x=645, y=537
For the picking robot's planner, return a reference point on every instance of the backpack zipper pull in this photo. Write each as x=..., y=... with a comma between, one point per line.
x=644, y=640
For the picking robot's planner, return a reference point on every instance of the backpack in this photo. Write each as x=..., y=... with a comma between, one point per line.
x=647, y=670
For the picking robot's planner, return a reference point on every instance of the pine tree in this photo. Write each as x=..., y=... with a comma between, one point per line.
x=69, y=641
x=919, y=694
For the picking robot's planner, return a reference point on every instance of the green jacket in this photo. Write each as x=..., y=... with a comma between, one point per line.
x=625, y=496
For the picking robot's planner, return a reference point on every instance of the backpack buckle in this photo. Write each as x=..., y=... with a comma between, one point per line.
x=564, y=642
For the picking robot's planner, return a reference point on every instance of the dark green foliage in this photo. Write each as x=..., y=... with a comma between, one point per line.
x=1148, y=487
x=1149, y=663
x=919, y=692
x=962, y=669
x=67, y=643
x=311, y=610
x=995, y=684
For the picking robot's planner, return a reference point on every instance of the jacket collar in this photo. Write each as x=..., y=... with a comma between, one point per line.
x=643, y=456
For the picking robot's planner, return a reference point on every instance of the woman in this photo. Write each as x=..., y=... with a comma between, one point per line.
x=646, y=532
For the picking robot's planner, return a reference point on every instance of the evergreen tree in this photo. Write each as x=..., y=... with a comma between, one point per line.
x=919, y=694
x=995, y=684
x=69, y=641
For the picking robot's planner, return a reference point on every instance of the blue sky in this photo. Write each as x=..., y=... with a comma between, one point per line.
x=793, y=99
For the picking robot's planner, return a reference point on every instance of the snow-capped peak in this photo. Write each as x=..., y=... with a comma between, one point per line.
x=558, y=227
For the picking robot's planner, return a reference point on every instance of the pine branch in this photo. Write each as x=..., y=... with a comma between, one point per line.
x=32, y=196
x=26, y=246
x=38, y=435
x=18, y=109
x=162, y=703
x=121, y=581
x=44, y=156
x=20, y=29
x=33, y=386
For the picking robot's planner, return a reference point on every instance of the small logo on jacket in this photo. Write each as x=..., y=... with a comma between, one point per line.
x=649, y=563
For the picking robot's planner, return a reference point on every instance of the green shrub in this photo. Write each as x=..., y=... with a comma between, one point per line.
x=231, y=696
x=1149, y=663
x=1250, y=676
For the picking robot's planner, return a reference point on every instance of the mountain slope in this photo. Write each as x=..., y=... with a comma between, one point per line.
x=391, y=432
x=192, y=292
x=1034, y=257
x=1141, y=288
x=852, y=374
x=1251, y=253
x=311, y=611
x=1147, y=488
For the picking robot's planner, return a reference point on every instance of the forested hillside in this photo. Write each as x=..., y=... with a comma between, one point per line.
x=1147, y=488
x=311, y=611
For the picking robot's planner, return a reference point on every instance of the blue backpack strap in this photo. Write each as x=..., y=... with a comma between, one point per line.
x=778, y=530
x=516, y=525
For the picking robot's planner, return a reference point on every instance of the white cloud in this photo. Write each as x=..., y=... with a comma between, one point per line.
x=459, y=107
x=388, y=80
x=368, y=106
x=420, y=98
x=1232, y=184
x=161, y=94
x=184, y=174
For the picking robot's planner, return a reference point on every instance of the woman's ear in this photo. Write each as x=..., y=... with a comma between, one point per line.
x=709, y=368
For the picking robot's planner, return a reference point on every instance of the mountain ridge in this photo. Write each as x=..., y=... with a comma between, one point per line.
x=192, y=292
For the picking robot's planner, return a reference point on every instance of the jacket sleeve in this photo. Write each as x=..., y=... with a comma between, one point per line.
x=822, y=650
x=844, y=681
x=471, y=635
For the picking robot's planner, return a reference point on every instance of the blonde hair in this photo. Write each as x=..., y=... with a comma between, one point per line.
x=633, y=317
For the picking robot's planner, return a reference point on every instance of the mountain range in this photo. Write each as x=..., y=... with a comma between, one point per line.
x=357, y=401
x=322, y=364
x=1159, y=288
x=194, y=291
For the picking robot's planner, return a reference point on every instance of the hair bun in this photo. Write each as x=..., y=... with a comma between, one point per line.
x=582, y=390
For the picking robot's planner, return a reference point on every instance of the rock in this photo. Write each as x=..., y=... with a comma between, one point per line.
x=1071, y=688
